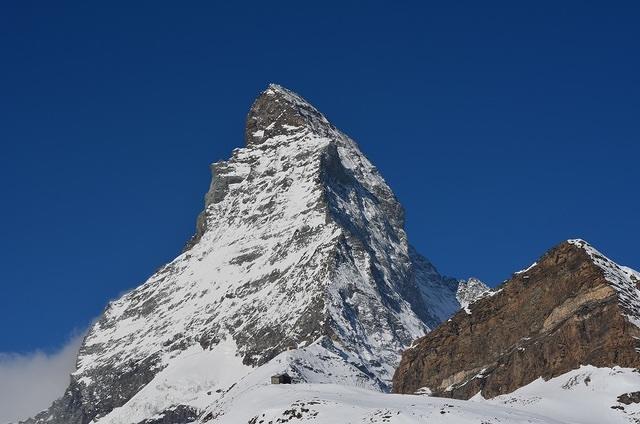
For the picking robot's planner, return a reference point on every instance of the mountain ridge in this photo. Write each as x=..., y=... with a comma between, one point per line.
x=572, y=307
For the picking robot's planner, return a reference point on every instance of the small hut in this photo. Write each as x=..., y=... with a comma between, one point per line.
x=283, y=378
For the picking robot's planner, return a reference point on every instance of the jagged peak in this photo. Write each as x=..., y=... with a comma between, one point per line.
x=580, y=243
x=277, y=89
x=596, y=256
x=470, y=291
x=474, y=281
x=593, y=253
x=280, y=111
x=624, y=280
x=577, y=242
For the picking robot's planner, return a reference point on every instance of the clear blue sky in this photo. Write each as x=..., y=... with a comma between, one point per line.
x=503, y=127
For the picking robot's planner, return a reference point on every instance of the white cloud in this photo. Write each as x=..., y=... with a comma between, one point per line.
x=30, y=382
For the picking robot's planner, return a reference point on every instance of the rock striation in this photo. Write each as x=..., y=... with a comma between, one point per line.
x=573, y=307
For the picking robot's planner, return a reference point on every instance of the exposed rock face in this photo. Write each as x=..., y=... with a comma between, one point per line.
x=573, y=307
x=629, y=398
x=178, y=414
x=301, y=245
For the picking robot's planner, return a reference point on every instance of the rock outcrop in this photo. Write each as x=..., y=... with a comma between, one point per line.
x=573, y=307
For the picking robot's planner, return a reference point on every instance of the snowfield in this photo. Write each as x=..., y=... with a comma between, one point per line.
x=584, y=396
x=334, y=404
x=216, y=383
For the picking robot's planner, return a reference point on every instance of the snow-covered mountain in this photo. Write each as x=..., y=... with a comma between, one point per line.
x=300, y=263
x=469, y=291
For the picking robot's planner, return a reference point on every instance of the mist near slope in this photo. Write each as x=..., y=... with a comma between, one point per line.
x=30, y=382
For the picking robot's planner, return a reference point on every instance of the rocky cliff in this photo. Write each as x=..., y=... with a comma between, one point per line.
x=573, y=307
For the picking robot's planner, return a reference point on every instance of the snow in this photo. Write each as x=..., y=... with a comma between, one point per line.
x=333, y=404
x=625, y=280
x=493, y=292
x=195, y=377
x=438, y=293
x=584, y=396
x=228, y=392
x=522, y=271
x=470, y=291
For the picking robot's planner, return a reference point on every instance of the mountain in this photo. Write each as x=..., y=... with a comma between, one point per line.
x=469, y=291
x=571, y=308
x=300, y=263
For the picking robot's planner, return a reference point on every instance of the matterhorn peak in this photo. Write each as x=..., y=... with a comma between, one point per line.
x=300, y=264
x=279, y=111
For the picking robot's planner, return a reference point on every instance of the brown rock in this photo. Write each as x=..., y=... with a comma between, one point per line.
x=543, y=322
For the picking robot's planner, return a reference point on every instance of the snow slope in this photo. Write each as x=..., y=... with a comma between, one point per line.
x=336, y=404
x=584, y=396
x=253, y=400
x=195, y=378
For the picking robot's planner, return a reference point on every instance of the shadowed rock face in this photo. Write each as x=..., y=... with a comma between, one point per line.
x=545, y=321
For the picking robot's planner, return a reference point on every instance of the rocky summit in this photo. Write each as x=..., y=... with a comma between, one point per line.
x=571, y=308
x=300, y=264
